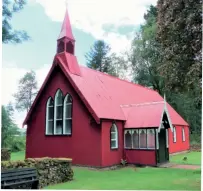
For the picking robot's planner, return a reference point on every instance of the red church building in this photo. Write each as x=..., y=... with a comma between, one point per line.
x=97, y=119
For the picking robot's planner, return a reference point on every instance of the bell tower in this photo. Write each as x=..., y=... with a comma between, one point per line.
x=66, y=48
x=66, y=40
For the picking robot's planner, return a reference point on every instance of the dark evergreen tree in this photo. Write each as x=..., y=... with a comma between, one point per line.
x=100, y=58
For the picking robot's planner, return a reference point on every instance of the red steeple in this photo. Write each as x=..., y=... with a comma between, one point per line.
x=66, y=30
x=66, y=41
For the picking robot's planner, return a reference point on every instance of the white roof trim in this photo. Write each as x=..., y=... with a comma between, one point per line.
x=168, y=116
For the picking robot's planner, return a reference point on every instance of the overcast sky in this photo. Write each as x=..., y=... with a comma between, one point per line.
x=114, y=21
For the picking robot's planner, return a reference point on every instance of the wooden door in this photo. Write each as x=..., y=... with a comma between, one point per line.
x=163, y=153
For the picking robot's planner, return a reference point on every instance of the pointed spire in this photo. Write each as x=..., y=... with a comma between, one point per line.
x=66, y=30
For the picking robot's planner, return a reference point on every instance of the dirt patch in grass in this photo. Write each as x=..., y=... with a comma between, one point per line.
x=184, y=166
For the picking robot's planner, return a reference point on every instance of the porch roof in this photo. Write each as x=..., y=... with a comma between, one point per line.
x=144, y=115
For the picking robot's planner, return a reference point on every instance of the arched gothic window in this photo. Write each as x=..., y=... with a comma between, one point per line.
x=143, y=138
x=67, y=115
x=58, y=112
x=49, y=116
x=183, y=133
x=128, y=139
x=114, y=136
x=150, y=138
x=174, y=134
x=135, y=137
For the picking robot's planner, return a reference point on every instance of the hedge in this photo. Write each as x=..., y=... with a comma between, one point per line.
x=50, y=170
x=5, y=154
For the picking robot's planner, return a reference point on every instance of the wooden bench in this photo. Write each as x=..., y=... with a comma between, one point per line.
x=19, y=178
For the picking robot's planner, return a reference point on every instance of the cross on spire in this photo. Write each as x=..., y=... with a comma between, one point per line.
x=66, y=41
x=66, y=3
x=66, y=30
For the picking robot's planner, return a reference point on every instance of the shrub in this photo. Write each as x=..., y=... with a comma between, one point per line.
x=50, y=170
x=195, y=139
x=5, y=154
x=17, y=144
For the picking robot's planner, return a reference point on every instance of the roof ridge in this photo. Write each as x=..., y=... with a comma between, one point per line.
x=133, y=83
x=144, y=103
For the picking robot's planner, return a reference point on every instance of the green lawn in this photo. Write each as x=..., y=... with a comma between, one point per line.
x=131, y=178
x=192, y=158
x=18, y=155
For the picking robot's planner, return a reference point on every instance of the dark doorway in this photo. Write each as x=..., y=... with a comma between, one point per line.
x=163, y=154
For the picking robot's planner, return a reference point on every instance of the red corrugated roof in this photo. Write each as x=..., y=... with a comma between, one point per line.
x=104, y=95
x=143, y=115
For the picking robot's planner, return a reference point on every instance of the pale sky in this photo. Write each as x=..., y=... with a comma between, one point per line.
x=114, y=21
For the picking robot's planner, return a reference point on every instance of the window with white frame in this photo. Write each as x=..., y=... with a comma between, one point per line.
x=150, y=138
x=183, y=133
x=143, y=138
x=135, y=139
x=174, y=134
x=139, y=139
x=67, y=115
x=58, y=112
x=128, y=139
x=49, y=116
x=114, y=136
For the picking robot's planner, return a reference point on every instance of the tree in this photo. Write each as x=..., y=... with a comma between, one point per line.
x=121, y=65
x=8, y=128
x=9, y=35
x=147, y=57
x=146, y=54
x=99, y=58
x=180, y=34
x=27, y=90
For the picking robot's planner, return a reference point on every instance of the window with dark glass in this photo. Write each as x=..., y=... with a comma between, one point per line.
x=174, y=134
x=128, y=139
x=143, y=138
x=150, y=138
x=49, y=116
x=114, y=136
x=67, y=115
x=183, y=133
x=135, y=138
x=58, y=108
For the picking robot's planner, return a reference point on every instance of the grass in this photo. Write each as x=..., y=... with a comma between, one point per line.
x=192, y=158
x=18, y=156
x=134, y=179
x=131, y=178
